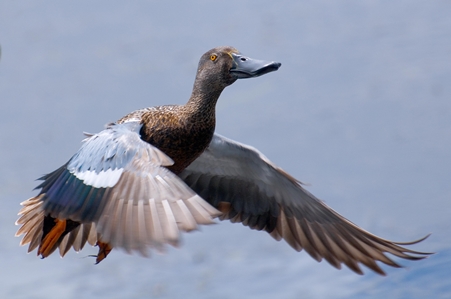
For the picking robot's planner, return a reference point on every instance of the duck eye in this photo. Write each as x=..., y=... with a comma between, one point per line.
x=213, y=57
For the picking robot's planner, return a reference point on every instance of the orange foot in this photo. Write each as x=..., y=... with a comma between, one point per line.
x=48, y=243
x=104, y=250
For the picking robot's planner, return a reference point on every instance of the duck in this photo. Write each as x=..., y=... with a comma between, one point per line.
x=160, y=171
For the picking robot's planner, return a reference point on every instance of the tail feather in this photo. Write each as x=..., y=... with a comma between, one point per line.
x=47, y=233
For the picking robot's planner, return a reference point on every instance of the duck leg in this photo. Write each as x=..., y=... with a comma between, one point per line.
x=104, y=250
x=54, y=230
x=50, y=239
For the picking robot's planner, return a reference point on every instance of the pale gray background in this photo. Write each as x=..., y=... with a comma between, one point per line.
x=360, y=110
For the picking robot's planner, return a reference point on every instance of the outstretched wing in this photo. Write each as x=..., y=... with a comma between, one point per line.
x=248, y=188
x=118, y=183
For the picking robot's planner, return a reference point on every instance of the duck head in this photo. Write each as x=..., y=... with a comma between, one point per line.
x=222, y=66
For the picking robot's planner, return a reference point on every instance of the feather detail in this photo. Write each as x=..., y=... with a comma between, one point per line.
x=240, y=181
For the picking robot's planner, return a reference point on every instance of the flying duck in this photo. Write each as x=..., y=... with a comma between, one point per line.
x=161, y=171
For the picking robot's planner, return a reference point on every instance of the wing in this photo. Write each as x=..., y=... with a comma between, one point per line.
x=117, y=186
x=248, y=188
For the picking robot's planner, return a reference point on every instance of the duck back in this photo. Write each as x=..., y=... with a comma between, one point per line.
x=173, y=130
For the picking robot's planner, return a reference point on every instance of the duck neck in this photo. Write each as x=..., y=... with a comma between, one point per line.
x=202, y=104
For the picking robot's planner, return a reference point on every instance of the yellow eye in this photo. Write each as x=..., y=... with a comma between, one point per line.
x=213, y=57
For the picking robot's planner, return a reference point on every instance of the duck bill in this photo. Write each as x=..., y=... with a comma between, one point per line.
x=245, y=67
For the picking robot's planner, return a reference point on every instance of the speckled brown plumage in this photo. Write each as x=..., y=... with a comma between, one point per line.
x=184, y=131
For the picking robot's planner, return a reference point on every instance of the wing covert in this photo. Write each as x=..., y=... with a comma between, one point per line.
x=118, y=183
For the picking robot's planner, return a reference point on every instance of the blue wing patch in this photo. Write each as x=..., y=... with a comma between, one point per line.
x=65, y=194
x=76, y=189
x=117, y=183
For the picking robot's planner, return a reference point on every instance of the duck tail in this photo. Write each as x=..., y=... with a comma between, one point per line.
x=48, y=233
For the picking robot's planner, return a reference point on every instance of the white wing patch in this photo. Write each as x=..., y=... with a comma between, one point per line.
x=102, y=179
x=142, y=205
